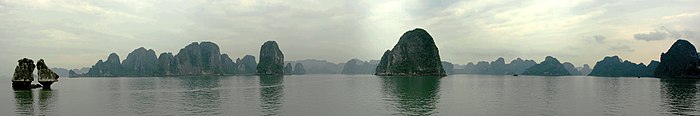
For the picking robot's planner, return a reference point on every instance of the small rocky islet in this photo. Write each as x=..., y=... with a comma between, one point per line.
x=414, y=55
x=23, y=75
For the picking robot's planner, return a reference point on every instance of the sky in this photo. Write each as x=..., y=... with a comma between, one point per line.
x=75, y=34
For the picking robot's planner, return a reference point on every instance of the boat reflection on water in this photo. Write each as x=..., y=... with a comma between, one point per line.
x=411, y=95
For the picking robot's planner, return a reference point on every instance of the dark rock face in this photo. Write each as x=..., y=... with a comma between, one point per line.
x=248, y=64
x=288, y=69
x=141, y=62
x=414, y=55
x=585, y=70
x=199, y=59
x=680, y=61
x=228, y=66
x=111, y=67
x=549, y=67
x=195, y=59
x=299, y=69
x=46, y=76
x=167, y=65
x=571, y=68
x=614, y=66
x=23, y=77
x=356, y=66
x=271, y=59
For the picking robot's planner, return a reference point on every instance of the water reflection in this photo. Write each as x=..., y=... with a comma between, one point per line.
x=24, y=101
x=46, y=101
x=412, y=95
x=202, y=96
x=271, y=94
x=144, y=101
x=680, y=95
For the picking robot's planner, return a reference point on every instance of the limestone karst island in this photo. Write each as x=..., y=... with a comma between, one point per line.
x=350, y=57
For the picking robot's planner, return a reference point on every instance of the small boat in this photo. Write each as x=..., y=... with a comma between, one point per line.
x=515, y=75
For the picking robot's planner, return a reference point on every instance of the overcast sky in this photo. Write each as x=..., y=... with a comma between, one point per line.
x=76, y=34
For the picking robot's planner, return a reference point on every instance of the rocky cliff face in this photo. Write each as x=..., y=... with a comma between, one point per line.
x=680, y=61
x=299, y=69
x=167, y=65
x=23, y=77
x=199, y=59
x=141, y=62
x=111, y=67
x=227, y=65
x=614, y=66
x=271, y=59
x=45, y=74
x=571, y=68
x=356, y=66
x=288, y=69
x=549, y=67
x=248, y=64
x=24, y=70
x=414, y=55
x=195, y=59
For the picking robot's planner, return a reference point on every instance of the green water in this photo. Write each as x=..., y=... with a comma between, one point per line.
x=357, y=95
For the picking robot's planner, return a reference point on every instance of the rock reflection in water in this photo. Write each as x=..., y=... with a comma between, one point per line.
x=24, y=102
x=411, y=95
x=202, y=95
x=47, y=98
x=680, y=95
x=271, y=94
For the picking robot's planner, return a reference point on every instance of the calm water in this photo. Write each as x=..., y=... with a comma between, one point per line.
x=357, y=95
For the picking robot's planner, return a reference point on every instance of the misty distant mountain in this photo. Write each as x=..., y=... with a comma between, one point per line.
x=62, y=72
x=585, y=69
x=356, y=66
x=497, y=67
x=571, y=68
x=449, y=67
x=314, y=66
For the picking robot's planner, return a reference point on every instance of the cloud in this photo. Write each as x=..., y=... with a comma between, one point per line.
x=599, y=38
x=464, y=30
x=664, y=33
x=621, y=48
x=651, y=36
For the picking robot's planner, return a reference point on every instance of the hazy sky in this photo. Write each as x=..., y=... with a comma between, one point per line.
x=76, y=34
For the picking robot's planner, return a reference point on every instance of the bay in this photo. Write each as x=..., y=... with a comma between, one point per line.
x=352, y=95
